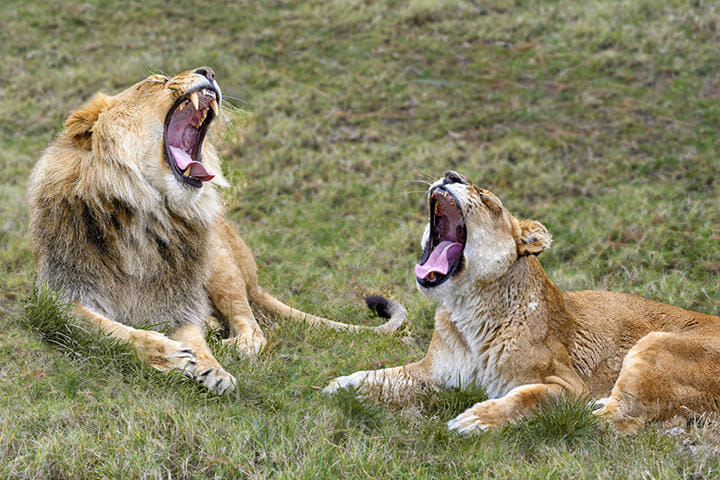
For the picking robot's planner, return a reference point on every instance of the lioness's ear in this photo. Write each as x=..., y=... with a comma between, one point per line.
x=79, y=124
x=533, y=238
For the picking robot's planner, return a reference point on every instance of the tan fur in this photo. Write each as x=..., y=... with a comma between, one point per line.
x=116, y=232
x=503, y=324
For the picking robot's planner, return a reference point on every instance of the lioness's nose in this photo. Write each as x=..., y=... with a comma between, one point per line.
x=206, y=72
x=453, y=177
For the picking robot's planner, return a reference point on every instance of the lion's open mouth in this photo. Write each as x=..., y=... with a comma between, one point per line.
x=442, y=257
x=185, y=127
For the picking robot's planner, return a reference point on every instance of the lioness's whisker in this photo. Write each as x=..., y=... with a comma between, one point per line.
x=421, y=182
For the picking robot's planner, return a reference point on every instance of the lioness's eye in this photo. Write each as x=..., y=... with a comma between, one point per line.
x=490, y=202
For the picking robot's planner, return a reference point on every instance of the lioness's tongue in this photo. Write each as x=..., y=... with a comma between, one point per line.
x=440, y=259
x=197, y=169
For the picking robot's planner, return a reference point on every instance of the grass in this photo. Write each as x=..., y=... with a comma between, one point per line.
x=597, y=118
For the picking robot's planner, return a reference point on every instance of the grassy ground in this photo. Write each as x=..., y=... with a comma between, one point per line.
x=597, y=118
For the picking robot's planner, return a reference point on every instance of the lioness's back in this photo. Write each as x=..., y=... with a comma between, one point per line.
x=626, y=313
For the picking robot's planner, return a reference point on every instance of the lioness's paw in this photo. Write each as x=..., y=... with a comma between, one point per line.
x=250, y=344
x=356, y=380
x=217, y=380
x=473, y=419
x=599, y=405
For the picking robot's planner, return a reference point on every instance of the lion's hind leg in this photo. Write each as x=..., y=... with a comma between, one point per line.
x=232, y=254
x=663, y=375
x=227, y=289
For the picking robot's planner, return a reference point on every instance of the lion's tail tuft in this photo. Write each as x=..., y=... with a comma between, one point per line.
x=387, y=309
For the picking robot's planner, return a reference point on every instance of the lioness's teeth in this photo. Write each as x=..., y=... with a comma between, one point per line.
x=187, y=172
x=194, y=99
x=181, y=106
x=214, y=106
x=431, y=276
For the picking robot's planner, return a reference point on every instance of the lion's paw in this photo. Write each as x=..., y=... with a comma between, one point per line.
x=356, y=380
x=216, y=379
x=165, y=354
x=248, y=345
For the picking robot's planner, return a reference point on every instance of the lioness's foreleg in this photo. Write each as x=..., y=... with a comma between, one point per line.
x=518, y=402
x=153, y=348
x=207, y=371
x=390, y=385
x=663, y=375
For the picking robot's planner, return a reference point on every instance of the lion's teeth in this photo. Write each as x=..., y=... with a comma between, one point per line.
x=214, y=106
x=201, y=118
x=194, y=99
x=181, y=106
x=187, y=171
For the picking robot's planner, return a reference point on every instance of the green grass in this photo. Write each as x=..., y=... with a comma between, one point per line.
x=597, y=118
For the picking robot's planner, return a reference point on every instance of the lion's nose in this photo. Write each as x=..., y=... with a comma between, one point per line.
x=206, y=72
x=453, y=177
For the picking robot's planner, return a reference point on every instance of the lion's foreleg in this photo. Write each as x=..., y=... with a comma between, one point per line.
x=207, y=371
x=153, y=348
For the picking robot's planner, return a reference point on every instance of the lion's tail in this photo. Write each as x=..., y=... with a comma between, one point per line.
x=385, y=308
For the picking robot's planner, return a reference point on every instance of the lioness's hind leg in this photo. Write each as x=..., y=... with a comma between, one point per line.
x=663, y=375
x=207, y=371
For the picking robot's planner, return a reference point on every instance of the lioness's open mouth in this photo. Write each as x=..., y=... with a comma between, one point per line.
x=442, y=257
x=185, y=127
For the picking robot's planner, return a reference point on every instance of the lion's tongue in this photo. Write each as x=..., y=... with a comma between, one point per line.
x=197, y=169
x=440, y=259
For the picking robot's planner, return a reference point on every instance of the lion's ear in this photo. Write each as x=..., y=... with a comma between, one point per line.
x=79, y=125
x=533, y=238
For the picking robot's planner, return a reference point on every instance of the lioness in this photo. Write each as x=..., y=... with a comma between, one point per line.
x=503, y=324
x=125, y=221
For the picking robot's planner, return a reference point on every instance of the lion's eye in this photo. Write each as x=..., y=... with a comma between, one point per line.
x=159, y=79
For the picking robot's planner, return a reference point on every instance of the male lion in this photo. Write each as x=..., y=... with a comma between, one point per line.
x=125, y=220
x=503, y=324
